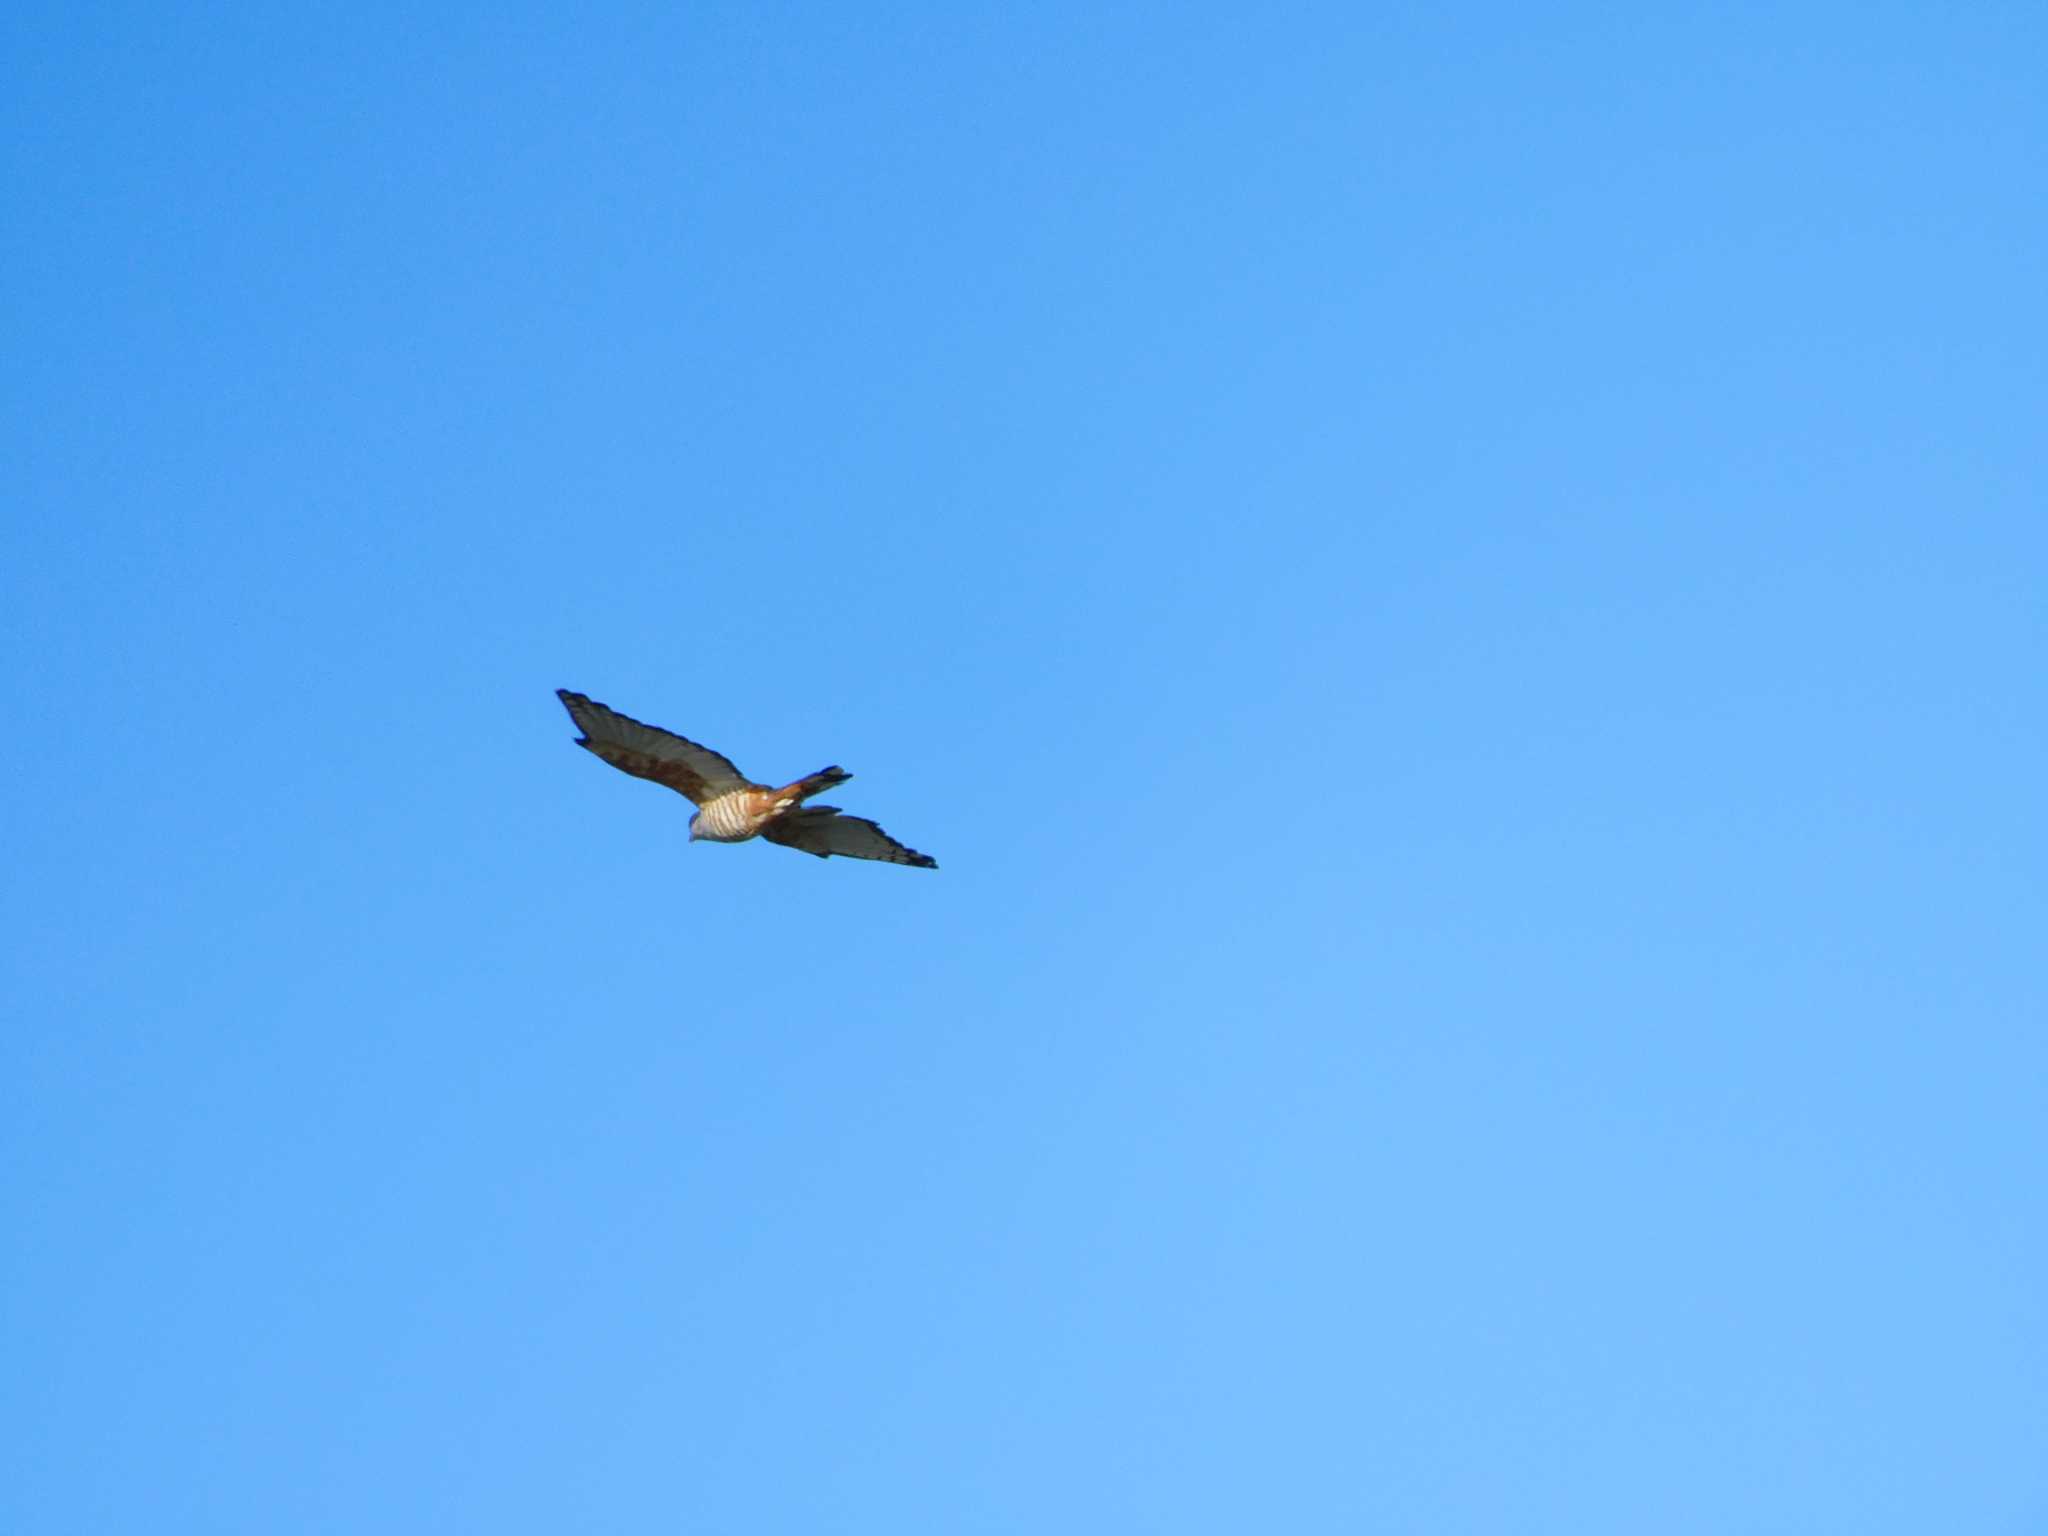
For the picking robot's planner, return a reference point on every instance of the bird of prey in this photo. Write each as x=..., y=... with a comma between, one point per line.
x=730, y=806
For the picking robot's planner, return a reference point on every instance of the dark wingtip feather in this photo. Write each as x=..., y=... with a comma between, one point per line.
x=570, y=699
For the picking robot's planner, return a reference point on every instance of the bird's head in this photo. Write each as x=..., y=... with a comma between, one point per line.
x=694, y=833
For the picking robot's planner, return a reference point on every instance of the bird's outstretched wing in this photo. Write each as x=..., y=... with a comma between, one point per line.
x=824, y=831
x=649, y=752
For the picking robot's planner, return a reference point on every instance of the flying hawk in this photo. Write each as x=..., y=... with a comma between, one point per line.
x=730, y=806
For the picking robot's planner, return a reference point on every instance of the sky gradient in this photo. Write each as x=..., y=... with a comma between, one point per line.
x=1457, y=591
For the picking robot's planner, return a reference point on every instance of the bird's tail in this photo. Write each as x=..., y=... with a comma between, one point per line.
x=815, y=783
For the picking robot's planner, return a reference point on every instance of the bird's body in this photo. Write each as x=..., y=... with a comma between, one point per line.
x=732, y=808
x=732, y=818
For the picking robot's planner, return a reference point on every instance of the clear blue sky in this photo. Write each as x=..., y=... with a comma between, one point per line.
x=1457, y=590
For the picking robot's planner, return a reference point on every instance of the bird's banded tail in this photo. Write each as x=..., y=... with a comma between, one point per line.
x=815, y=783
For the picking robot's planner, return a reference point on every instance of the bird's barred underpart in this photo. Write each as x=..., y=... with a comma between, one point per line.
x=729, y=818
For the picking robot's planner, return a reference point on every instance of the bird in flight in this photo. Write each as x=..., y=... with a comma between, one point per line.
x=730, y=806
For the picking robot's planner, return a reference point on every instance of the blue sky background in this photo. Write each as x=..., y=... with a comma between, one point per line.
x=1457, y=590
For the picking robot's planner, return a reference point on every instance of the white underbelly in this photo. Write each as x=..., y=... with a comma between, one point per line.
x=727, y=819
